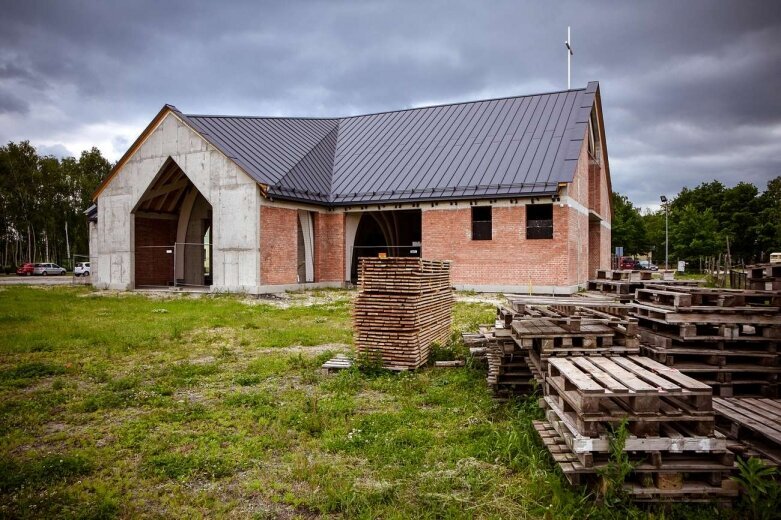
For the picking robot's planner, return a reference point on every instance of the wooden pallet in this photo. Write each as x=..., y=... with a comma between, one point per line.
x=674, y=438
x=719, y=297
x=654, y=472
x=596, y=391
x=712, y=331
x=709, y=315
x=756, y=423
x=623, y=274
x=691, y=357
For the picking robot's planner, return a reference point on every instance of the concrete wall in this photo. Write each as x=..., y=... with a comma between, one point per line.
x=234, y=197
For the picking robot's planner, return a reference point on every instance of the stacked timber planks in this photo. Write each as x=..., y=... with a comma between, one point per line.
x=675, y=451
x=754, y=426
x=764, y=277
x=403, y=306
x=727, y=338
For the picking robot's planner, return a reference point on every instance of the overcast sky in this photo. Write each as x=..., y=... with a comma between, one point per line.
x=691, y=90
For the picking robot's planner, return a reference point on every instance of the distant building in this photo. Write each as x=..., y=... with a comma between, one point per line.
x=515, y=191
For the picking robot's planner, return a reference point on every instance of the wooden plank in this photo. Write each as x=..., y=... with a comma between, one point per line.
x=581, y=381
x=629, y=379
x=672, y=374
x=602, y=377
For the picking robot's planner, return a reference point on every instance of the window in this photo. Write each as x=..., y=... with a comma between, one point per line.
x=481, y=223
x=539, y=221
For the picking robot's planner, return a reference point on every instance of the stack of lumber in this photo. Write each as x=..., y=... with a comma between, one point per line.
x=622, y=284
x=403, y=306
x=753, y=426
x=672, y=444
x=726, y=338
x=764, y=277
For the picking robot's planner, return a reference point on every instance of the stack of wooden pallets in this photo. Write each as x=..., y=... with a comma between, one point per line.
x=729, y=339
x=622, y=284
x=672, y=444
x=509, y=368
x=764, y=277
x=522, y=339
x=403, y=306
x=562, y=327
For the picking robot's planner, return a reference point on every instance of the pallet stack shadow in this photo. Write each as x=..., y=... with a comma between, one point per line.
x=726, y=338
x=403, y=306
x=622, y=284
x=675, y=451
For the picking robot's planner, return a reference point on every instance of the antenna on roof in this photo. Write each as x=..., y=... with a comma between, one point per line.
x=568, y=45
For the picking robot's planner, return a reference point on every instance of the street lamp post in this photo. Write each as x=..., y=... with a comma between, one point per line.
x=666, y=233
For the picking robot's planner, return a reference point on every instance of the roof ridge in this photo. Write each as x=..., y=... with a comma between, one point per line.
x=424, y=107
x=340, y=118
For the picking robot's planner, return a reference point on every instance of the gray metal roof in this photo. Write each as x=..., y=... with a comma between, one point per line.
x=523, y=145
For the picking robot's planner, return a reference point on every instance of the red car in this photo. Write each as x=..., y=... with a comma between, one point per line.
x=629, y=263
x=25, y=269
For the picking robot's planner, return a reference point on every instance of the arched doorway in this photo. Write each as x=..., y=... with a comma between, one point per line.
x=173, y=232
x=395, y=233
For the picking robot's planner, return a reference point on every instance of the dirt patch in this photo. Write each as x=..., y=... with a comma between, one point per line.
x=314, y=350
x=499, y=300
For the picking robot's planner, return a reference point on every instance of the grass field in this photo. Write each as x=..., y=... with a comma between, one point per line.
x=135, y=406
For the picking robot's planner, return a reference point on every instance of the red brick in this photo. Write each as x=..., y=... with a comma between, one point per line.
x=278, y=245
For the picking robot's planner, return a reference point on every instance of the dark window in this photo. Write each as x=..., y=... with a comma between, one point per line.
x=481, y=223
x=539, y=221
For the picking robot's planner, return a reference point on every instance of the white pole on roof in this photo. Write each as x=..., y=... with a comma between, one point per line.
x=568, y=44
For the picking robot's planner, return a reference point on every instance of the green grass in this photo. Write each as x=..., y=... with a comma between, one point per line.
x=131, y=406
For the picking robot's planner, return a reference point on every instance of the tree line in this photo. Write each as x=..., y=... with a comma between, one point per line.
x=740, y=224
x=42, y=204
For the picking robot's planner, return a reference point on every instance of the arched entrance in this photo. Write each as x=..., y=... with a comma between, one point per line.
x=395, y=233
x=173, y=232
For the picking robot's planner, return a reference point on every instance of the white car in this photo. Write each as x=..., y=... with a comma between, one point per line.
x=81, y=269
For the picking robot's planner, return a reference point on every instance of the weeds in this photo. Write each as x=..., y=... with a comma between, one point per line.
x=761, y=492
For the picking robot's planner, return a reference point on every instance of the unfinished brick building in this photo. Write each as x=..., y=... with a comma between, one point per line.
x=515, y=191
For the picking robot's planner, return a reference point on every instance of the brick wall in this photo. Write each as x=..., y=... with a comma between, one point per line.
x=508, y=259
x=329, y=247
x=153, y=266
x=278, y=245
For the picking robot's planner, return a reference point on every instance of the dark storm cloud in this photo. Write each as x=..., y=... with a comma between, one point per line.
x=690, y=89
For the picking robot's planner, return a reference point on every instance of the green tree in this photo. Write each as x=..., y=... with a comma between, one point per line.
x=628, y=228
x=42, y=203
x=768, y=223
x=695, y=233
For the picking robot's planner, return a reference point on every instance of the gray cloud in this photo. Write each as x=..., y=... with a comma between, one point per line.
x=10, y=103
x=56, y=150
x=689, y=88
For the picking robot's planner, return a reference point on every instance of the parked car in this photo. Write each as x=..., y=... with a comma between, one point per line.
x=648, y=266
x=48, y=269
x=25, y=269
x=629, y=263
x=82, y=269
